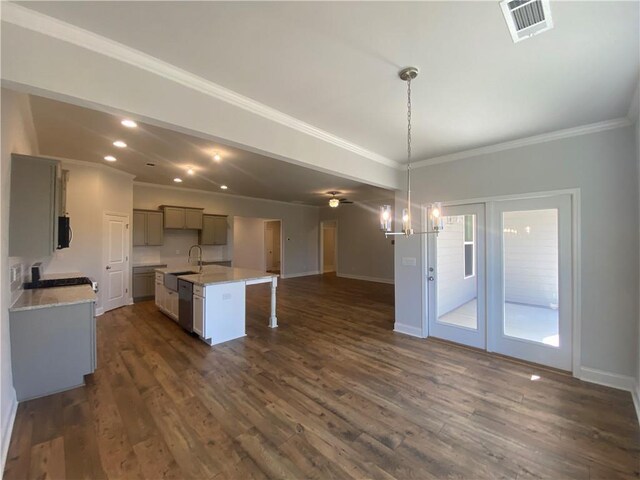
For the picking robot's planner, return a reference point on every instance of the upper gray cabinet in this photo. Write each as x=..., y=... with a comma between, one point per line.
x=33, y=209
x=147, y=228
x=182, y=217
x=214, y=230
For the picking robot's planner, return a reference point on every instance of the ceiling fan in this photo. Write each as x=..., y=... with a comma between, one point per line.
x=334, y=201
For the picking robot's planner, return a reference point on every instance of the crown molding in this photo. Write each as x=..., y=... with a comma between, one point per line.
x=523, y=142
x=52, y=27
x=219, y=194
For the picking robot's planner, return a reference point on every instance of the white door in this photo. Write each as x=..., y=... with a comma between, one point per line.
x=456, y=277
x=268, y=241
x=531, y=280
x=115, y=284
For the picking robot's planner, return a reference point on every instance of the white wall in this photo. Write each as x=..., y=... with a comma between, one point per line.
x=453, y=289
x=531, y=258
x=248, y=243
x=17, y=136
x=363, y=251
x=604, y=166
x=92, y=190
x=300, y=223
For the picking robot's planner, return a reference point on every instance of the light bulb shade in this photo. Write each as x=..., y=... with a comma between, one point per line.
x=385, y=218
x=334, y=202
x=406, y=221
x=436, y=218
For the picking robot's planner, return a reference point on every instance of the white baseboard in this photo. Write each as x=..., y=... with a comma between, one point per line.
x=130, y=301
x=366, y=278
x=7, y=429
x=301, y=274
x=99, y=311
x=636, y=399
x=408, y=330
x=608, y=379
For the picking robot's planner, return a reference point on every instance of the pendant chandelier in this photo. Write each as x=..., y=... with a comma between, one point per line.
x=435, y=210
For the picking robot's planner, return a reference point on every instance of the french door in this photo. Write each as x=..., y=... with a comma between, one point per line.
x=530, y=281
x=517, y=303
x=456, y=277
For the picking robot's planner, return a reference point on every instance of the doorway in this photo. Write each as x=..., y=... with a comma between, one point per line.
x=115, y=245
x=328, y=246
x=272, y=245
x=499, y=277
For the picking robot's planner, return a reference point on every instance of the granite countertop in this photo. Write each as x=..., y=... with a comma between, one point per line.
x=54, y=297
x=214, y=274
x=149, y=264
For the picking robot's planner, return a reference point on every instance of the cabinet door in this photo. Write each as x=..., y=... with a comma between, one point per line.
x=173, y=217
x=198, y=315
x=193, y=218
x=155, y=228
x=139, y=229
x=139, y=285
x=207, y=235
x=220, y=231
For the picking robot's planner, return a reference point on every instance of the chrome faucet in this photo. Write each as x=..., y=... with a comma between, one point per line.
x=199, y=256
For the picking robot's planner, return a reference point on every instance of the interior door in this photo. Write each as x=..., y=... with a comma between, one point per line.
x=531, y=280
x=268, y=241
x=456, y=277
x=116, y=261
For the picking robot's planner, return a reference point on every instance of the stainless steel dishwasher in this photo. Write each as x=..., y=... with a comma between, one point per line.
x=185, y=307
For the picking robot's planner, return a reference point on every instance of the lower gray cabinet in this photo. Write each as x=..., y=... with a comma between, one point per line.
x=52, y=348
x=144, y=282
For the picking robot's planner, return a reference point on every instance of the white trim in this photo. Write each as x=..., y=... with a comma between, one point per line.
x=8, y=429
x=407, y=330
x=366, y=278
x=635, y=395
x=187, y=189
x=99, y=311
x=301, y=274
x=522, y=142
x=608, y=379
x=52, y=27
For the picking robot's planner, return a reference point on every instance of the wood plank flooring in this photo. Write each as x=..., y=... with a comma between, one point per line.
x=331, y=393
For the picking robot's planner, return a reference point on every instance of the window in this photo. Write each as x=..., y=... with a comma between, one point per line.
x=469, y=246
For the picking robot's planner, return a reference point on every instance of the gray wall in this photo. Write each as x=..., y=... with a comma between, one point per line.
x=300, y=223
x=18, y=136
x=363, y=252
x=604, y=166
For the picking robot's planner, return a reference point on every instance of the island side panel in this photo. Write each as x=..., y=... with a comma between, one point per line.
x=225, y=309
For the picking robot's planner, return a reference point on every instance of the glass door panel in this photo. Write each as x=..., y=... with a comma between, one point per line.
x=456, y=277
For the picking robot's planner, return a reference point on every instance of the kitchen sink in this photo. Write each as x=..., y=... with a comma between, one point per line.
x=171, y=279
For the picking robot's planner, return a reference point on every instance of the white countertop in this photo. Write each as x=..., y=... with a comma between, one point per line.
x=54, y=297
x=215, y=274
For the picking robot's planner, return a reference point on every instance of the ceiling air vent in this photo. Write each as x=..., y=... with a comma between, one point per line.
x=526, y=18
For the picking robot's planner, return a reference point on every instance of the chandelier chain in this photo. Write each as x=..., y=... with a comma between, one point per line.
x=409, y=122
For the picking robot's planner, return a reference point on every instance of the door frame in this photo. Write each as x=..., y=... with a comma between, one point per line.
x=335, y=243
x=127, y=266
x=576, y=259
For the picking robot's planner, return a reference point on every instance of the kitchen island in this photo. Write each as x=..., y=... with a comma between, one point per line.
x=217, y=311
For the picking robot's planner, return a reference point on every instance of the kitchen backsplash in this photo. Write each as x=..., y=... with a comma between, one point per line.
x=175, y=250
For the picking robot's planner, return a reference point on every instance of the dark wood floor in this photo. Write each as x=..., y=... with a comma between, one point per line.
x=331, y=393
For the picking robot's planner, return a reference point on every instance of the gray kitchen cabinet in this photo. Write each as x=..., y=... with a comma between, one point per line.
x=147, y=228
x=214, y=230
x=182, y=217
x=34, y=203
x=52, y=348
x=144, y=282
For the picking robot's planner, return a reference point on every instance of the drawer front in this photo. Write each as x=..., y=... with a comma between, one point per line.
x=159, y=277
x=198, y=290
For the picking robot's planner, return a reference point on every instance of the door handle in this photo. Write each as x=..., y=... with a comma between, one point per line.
x=108, y=267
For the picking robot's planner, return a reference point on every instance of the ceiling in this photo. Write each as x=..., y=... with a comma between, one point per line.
x=70, y=131
x=334, y=64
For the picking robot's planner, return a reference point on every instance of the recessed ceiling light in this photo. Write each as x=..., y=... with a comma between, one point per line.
x=190, y=171
x=177, y=180
x=217, y=157
x=119, y=144
x=129, y=123
x=223, y=187
x=110, y=158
